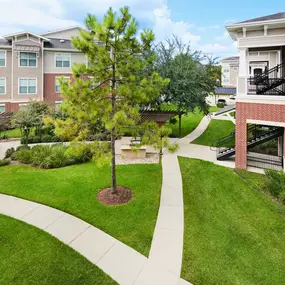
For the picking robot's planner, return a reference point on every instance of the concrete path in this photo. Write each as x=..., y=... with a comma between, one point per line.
x=122, y=263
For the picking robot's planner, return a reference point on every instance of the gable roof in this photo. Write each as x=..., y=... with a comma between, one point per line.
x=10, y=36
x=60, y=30
x=231, y=58
x=277, y=16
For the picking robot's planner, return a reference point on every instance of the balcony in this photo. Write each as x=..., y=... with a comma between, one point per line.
x=271, y=82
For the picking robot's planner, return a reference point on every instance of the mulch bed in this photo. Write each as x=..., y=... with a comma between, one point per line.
x=122, y=196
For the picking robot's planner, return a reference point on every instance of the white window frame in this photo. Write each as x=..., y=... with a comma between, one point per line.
x=57, y=104
x=95, y=84
x=23, y=94
x=5, y=86
x=22, y=105
x=3, y=105
x=56, y=80
x=28, y=66
x=5, y=52
x=62, y=53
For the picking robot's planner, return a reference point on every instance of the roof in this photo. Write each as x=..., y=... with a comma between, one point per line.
x=277, y=16
x=59, y=44
x=157, y=116
x=4, y=42
x=60, y=30
x=226, y=90
x=10, y=36
x=231, y=58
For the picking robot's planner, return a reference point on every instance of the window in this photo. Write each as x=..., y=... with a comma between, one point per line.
x=2, y=58
x=2, y=85
x=2, y=108
x=28, y=59
x=94, y=83
x=27, y=86
x=57, y=85
x=226, y=70
x=62, y=59
x=22, y=106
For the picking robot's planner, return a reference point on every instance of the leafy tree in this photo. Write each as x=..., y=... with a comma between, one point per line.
x=115, y=82
x=191, y=79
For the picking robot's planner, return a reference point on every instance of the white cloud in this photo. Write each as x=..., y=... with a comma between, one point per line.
x=164, y=27
x=223, y=37
x=208, y=27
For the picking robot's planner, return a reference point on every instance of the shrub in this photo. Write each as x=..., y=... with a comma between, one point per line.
x=275, y=182
x=78, y=152
x=46, y=138
x=220, y=105
x=39, y=153
x=4, y=162
x=23, y=155
x=9, y=152
x=22, y=147
x=282, y=196
x=4, y=137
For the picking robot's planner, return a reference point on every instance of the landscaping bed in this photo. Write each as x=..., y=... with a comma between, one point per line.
x=232, y=234
x=74, y=189
x=29, y=256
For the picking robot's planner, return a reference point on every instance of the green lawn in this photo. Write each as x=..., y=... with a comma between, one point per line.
x=14, y=133
x=232, y=235
x=74, y=190
x=189, y=122
x=29, y=256
x=216, y=130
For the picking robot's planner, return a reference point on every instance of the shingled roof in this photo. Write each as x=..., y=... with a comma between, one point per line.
x=278, y=16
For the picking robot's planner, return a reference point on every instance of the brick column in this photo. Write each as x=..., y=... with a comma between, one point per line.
x=284, y=149
x=241, y=139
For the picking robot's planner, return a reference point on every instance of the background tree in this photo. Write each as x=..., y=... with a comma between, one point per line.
x=192, y=76
x=117, y=58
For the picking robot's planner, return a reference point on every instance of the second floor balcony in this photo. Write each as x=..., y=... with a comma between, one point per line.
x=271, y=82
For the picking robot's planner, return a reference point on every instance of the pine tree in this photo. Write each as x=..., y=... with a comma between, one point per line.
x=116, y=80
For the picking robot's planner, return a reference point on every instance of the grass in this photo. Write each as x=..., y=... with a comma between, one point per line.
x=74, y=190
x=232, y=235
x=14, y=133
x=216, y=130
x=29, y=256
x=189, y=122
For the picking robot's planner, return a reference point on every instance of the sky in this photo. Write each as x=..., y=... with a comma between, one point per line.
x=200, y=22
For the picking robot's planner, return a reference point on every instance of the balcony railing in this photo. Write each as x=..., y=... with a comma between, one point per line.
x=271, y=82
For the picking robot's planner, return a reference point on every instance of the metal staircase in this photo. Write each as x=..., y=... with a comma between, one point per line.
x=270, y=82
x=225, y=147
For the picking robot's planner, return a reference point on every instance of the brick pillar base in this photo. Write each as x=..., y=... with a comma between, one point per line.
x=241, y=145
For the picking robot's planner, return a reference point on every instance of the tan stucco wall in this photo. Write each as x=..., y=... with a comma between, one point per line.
x=49, y=62
x=7, y=73
x=27, y=72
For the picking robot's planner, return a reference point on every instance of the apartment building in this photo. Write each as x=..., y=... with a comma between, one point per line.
x=260, y=99
x=30, y=65
x=230, y=69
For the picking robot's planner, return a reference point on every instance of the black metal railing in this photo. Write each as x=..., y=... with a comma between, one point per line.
x=256, y=134
x=270, y=82
x=264, y=161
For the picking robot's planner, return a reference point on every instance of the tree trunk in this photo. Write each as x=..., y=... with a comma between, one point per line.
x=180, y=119
x=113, y=131
x=113, y=164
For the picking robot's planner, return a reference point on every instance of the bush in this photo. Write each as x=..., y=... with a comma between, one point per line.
x=9, y=152
x=23, y=155
x=220, y=105
x=78, y=153
x=275, y=183
x=4, y=162
x=42, y=139
x=22, y=147
x=4, y=137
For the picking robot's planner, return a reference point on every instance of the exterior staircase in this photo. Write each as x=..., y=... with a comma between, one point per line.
x=270, y=82
x=225, y=147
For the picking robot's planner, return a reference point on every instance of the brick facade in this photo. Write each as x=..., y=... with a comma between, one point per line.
x=50, y=95
x=253, y=111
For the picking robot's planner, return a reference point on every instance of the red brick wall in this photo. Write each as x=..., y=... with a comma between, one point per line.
x=253, y=111
x=50, y=95
x=12, y=107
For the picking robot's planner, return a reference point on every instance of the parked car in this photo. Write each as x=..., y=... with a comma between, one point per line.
x=221, y=103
